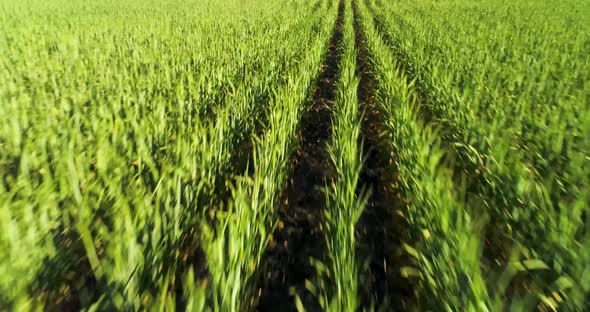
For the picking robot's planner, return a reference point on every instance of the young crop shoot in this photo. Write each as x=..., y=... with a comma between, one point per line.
x=281, y=155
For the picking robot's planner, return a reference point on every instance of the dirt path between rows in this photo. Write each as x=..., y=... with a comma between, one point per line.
x=299, y=237
x=381, y=228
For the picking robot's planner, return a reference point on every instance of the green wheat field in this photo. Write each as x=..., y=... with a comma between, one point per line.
x=294, y=155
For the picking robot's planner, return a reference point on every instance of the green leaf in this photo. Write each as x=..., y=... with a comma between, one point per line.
x=535, y=264
x=299, y=304
x=408, y=271
x=411, y=251
x=311, y=287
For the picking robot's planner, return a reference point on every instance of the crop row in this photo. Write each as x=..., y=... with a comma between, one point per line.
x=122, y=130
x=487, y=118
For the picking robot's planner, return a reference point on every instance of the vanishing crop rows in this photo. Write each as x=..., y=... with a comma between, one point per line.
x=319, y=155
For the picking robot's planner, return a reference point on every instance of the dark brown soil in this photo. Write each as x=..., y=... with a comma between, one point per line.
x=381, y=228
x=299, y=238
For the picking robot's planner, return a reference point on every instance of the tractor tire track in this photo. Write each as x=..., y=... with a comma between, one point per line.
x=381, y=228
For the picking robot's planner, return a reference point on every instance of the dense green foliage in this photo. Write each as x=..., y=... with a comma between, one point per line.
x=122, y=123
x=145, y=147
x=344, y=206
x=505, y=82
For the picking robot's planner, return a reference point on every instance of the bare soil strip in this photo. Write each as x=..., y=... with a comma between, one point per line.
x=298, y=238
x=381, y=227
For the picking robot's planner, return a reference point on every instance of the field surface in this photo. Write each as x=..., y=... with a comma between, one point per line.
x=295, y=155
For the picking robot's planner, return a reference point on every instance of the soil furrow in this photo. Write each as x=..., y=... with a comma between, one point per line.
x=299, y=237
x=381, y=227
